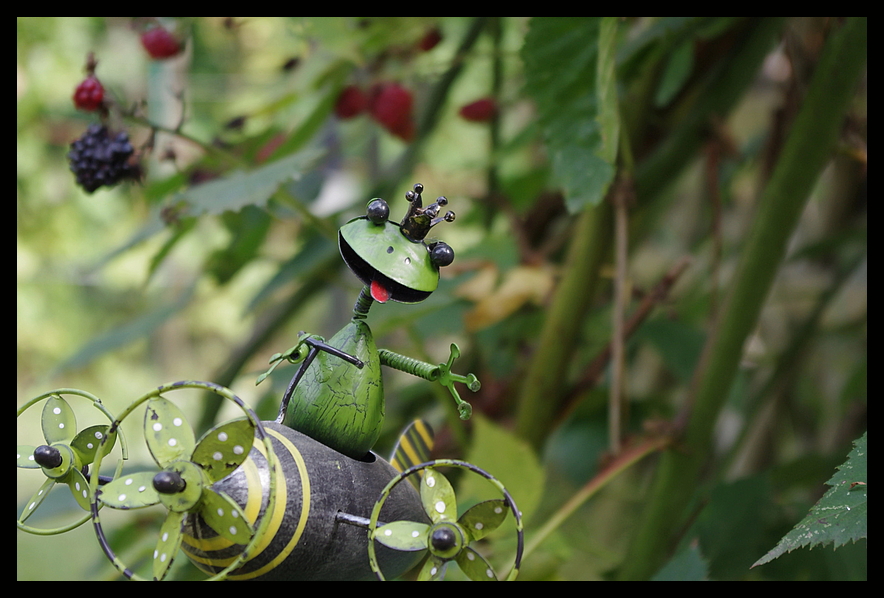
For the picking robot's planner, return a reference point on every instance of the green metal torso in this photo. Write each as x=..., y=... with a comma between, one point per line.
x=337, y=403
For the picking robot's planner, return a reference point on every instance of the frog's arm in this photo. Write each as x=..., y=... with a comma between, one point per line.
x=441, y=373
x=309, y=345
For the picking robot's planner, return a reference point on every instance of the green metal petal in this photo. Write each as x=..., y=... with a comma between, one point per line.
x=168, y=544
x=224, y=448
x=86, y=443
x=25, y=457
x=437, y=496
x=130, y=491
x=167, y=433
x=475, y=566
x=484, y=518
x=59, y=422
x=433, y=570
x=226, y=517
x=36, y=499
x=79, y=488
x=403, y=535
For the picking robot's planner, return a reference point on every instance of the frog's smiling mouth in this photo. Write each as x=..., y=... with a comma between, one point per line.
x=383, y=288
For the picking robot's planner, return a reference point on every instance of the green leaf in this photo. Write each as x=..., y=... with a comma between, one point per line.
x=677, y=70
x=137, y=329
x=240, y=189
x=510, y=460
x=577, y=106
x=840, y=515
x=687, y=565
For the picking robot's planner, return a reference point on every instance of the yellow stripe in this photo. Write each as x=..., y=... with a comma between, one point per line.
x=414, y=446
x=302, y=523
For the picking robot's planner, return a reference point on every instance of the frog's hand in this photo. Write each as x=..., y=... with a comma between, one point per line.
x=295, y=354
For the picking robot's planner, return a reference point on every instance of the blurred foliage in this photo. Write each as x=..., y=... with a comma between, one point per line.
x=226, y=249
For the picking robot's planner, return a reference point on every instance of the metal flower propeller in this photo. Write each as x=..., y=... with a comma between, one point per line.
x=184, y=483
x=448, y=537
x=66, y=456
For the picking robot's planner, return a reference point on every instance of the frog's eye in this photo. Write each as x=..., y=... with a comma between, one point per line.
x=441, y=254
x=378, y=211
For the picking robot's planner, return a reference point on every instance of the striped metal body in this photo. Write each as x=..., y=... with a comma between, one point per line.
x=304, y=540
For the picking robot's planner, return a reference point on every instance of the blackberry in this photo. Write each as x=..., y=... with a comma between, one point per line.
x=101, y=159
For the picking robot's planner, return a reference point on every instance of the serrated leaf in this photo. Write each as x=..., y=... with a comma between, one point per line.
x=686, y=565
x=240, y=189
x=224, y=448
x=403, y=535
x=840, y=515
x=577, y=103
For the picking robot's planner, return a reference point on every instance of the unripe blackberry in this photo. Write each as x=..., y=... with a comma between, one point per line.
x=351, y=102
x=89, y=94
x=99, y=159
x=479, y=111
x=390, y=104
x=160, y=44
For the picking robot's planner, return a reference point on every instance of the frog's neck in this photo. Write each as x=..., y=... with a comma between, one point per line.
x=363, y=304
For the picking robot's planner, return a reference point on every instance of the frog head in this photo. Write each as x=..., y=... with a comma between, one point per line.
x=391, y=259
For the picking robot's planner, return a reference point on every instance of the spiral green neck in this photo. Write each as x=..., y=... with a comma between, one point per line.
x=363, y=304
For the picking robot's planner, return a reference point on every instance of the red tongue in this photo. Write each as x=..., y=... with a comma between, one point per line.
x=378, y=292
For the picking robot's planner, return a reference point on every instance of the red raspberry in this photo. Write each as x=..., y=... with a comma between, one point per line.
x=159, y=43
x=89, y=94
x=351, y=102
x=390, y=104
x=430, y=40
x=480, y=110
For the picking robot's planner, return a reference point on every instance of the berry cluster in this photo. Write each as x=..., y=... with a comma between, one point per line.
x=100, y=159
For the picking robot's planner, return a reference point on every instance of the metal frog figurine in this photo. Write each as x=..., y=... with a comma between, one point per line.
x=337, y=396
x=304, y=497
